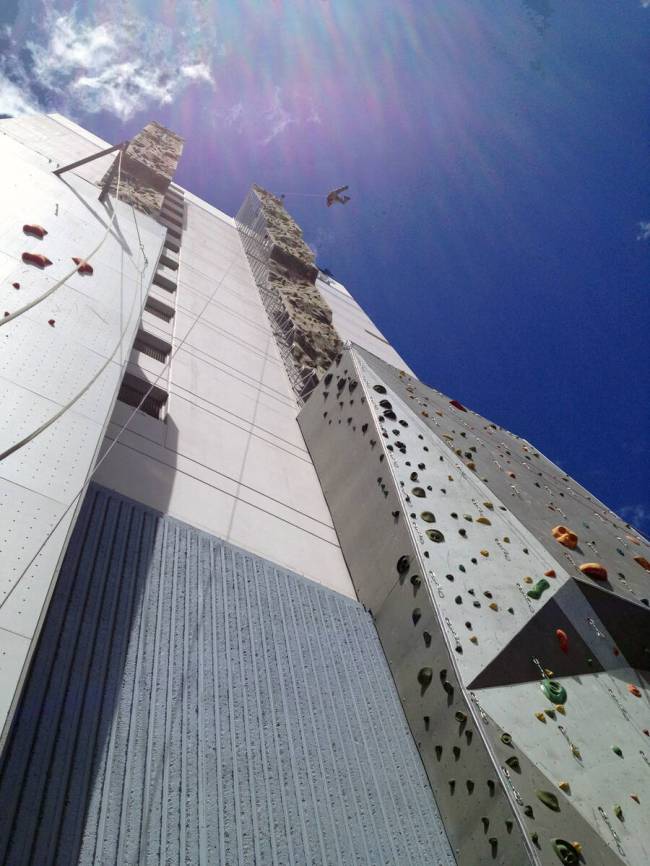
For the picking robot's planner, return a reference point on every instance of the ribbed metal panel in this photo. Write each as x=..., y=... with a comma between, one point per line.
x=191, y=703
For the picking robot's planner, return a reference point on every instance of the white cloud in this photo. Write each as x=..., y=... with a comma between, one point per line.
x=120, y=66
x=13, y=100
x=278, y=117
x=644, y=226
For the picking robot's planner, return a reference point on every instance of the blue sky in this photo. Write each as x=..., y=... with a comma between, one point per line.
x=497, y=155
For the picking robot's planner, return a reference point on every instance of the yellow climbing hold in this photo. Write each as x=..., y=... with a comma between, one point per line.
x=528, y=579
x=473, y=639
x=506, y=539
x=485, y=553
x=484, y=521
x=561, y=709
x=493, y=606
x=578, y=847
x=489, y=505
x=565, y=536
x=541, y=717
x=564, y=786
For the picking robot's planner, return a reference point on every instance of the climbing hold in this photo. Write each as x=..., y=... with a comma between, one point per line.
x=540, y=587
x=416, y=581
x=595, y=570
x=428, y=517
x=512, y=475
x=418, y=491
x=35, y=231
x=506, y=739
x=36, y=259
x=415, y=616
x=460, y=717
x=489, y=505
x=470, y=786
x=528, y=579
x=379, y=389
x=506, y=539
x=617, y=751
x=426, y=637
x=403, y=564
x=473, y=639
x=635, y=797
x=528, y=812
x=643, y=562
x=438, y=750
x=550, y=713
x=565, y=786
x=509, y=825
x=83, y=267
x=567, y=853
x=425, y=675
x=486, y=823
x=457, y=405
x=513, y=763
x=563, y=640
x=555, y=692
x=484, y=521
x=550, y=573
x=633, y=690
x=456, y=752
x=51, y=322
x=560, y=709
x=16, y=285
x=618, y=811
x=485, y=553
x=435, y=535
x=493, y=606
x=549, y=799
x=541, y=717
x=565, y=536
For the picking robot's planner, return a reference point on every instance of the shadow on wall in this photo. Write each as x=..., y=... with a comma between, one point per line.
x=63, y=728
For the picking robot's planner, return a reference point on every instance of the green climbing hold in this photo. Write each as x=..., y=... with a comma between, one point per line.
x=549, y=799
x=617, y=751
x=618, y=811
x=554, y=691
x=435, y=535
x=428, y=517
x=540, y=587
x=566, y=852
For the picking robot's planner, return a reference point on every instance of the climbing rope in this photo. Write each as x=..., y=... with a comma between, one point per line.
x=122, y=429
x=59, y=283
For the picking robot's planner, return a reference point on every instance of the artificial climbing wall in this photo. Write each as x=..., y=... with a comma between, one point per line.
x=512, y=608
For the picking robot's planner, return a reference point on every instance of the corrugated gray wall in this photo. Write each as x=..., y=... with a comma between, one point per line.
x=191, y=703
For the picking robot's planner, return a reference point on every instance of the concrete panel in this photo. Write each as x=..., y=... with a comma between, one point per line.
x=192, y=703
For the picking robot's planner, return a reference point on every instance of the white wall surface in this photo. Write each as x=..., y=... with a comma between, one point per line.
x=43, y=367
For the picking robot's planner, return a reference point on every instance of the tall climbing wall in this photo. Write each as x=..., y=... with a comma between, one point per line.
x=513, y=610
x=148, y=166
x=285, y=272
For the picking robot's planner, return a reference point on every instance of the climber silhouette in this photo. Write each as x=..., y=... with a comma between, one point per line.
x=336, y=196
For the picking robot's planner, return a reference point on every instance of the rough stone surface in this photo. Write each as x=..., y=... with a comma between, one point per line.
x=314, y=342
x=148, y=166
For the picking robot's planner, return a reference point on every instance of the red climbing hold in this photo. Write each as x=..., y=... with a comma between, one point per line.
x=51, y=322
x=563, y=640
x=550, y=573
x=83, y=266
x=457, y=405
x=34, y=230
x=16, y=285
x=36, y=259
x=633, y=690
x=594, y=570
x=7, y=313
x=643, y=562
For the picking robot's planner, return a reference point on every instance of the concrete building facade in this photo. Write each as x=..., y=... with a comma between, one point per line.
x=267, y=598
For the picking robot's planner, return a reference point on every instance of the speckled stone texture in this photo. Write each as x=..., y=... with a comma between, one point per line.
x=148, y=166
x=292, y=273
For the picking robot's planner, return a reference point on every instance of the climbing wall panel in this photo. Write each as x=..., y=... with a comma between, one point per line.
x=489, y=628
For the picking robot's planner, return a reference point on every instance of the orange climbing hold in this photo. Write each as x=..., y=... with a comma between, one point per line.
x=633, y=539
x=563, y=640
x=83, y=266
x=36, y=259
x=643, y=562
x=633, y=690
x=565, y=536
x=550, y=573
x=457, y=405
x=594, y=569
x=34, y=230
